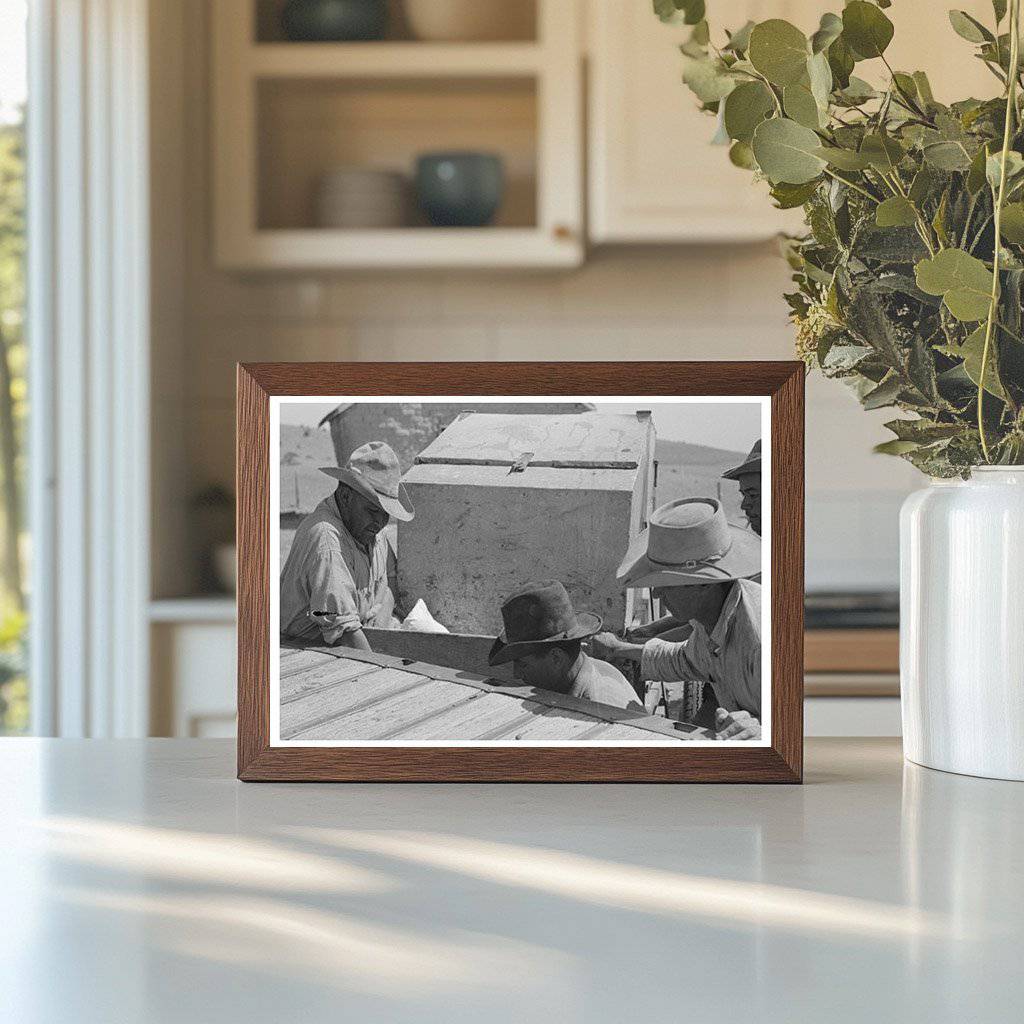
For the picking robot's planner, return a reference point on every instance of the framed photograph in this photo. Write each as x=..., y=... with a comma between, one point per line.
x=495, y=572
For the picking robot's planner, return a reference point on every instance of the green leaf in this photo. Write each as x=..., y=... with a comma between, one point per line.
x=963, y=281
x=905, y=84
x=939, y=220
x=701, y=34
x=819, y=74
x=857, y=91
x=787, y=151
x=841, y=63
x=969, y=28
x=976, y=174
x=739, y=41
x=924, y=88
x=971, y=352
x=922, y=431
x=741, y=155
x=993, y=167
x=666, y=10
x=883, y=152
x=693, y=10
x=707, y=78
x=895, y=447
x=947, y=156
x=829, y=30
x=868, y=318
x=921, y=370
x=844, y=159
x=690, y=12
x=779, y=51
x=800, y=105
x=1012, y=224
x=895, y=212
x=890, y=245
x=922, y=185
x=999, y=9
x=885, y=394
x=745, y=108
x=788, y=196
x=866, y=29
x=721, y=136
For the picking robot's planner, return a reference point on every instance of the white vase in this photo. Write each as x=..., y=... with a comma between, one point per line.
x=962, y=624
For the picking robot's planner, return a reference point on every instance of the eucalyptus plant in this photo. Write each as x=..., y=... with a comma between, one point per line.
x=910, y=278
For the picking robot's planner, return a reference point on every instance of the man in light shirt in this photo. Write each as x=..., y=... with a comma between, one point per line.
x=699, y=566
x=335, y=579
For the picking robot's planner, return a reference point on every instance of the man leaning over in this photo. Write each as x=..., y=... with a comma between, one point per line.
x=335, y=579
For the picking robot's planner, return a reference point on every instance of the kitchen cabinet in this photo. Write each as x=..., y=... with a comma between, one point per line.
x=288, y=114
x=653, y=175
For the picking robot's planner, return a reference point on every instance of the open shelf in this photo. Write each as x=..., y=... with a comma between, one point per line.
x=392, y=60
x=309, y=127
x=519, y=25
x=286, y=114
x=406, y=248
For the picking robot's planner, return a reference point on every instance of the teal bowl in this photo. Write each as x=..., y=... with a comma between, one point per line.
x=334, y=21
x=462, y=190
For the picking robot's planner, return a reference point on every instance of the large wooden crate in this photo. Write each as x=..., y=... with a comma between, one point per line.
x=484, y=527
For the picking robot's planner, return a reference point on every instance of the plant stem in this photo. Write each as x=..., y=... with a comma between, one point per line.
x=775, y=98
x=1012, y=334
x=853, y=185
x=1011, y=108
x=907, y=99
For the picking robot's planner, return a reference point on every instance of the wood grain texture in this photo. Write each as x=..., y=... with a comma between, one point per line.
x=852, y=650
x=549, y=698
x=780, y=762
x=366, y=695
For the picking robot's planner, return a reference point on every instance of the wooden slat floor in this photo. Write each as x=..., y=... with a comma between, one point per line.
x=335, y=694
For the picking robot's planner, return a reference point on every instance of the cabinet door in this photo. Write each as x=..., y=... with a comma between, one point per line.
x=654, y=177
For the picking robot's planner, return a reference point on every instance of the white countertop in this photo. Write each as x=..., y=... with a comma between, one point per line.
x=140, y=882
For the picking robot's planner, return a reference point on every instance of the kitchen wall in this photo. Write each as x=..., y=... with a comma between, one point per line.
x=721, y=302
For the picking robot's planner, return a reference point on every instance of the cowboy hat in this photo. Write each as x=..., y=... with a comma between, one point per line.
x=539, y=615
x=689, y=542
x=374, y=472
x=752, y=464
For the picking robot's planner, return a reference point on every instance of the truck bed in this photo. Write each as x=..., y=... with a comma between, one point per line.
x=336, y=694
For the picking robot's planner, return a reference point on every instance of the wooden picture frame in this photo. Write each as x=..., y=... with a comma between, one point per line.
x=779, y=760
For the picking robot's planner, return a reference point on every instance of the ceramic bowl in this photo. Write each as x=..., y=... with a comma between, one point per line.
x=359, y=197
x=470, y=20
x=460, y=189
x=332, y=21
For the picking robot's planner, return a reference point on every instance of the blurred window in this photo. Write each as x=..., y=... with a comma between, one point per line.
x=14, y=546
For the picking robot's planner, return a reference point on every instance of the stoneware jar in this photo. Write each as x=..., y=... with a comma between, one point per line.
x=962, y=624
x=470, y=20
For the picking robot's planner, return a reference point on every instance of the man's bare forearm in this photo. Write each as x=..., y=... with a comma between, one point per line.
x=355, y=639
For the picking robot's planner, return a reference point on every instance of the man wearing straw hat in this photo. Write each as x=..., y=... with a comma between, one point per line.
x=748, y=476
x=543, y=636
x=699, y=565
x=335, y=579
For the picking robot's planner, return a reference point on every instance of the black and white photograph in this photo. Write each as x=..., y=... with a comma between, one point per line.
x=500, y=571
